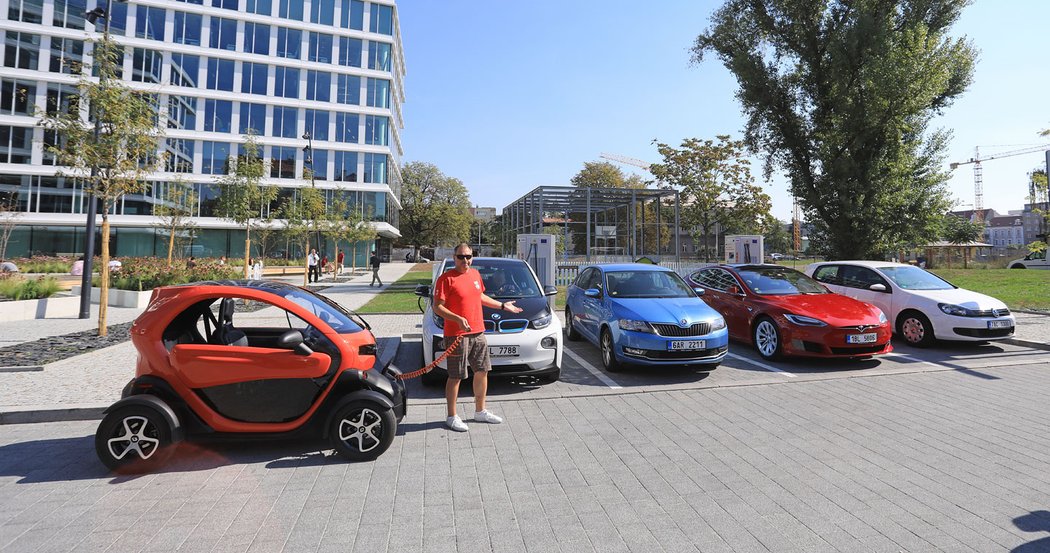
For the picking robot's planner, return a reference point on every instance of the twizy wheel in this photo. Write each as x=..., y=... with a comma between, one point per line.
x=362, y=430
x=135, y=438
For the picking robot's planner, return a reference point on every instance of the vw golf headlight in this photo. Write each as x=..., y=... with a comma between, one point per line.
x=952, y=309
x=543, y=321
x=637, y=326
x=718, y=324
x=802, y=320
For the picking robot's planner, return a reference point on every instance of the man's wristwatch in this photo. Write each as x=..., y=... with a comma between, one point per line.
x=502, y=306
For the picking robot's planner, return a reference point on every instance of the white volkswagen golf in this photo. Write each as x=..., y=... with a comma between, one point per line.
x=520, y=344
x=922, y=305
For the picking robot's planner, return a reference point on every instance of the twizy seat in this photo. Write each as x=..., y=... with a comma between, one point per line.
x=228, y=335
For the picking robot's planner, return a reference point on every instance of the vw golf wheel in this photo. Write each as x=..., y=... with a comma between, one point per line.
x=362, y=430
x=767, y=339
x=915, y=328
x=135, y=438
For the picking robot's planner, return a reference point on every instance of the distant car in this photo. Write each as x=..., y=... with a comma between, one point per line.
x=644, y=315
x=522, y=344
x=200, y=375
x=1034, y=260
x=921, y=305
x=776, y=256
x=783, y=312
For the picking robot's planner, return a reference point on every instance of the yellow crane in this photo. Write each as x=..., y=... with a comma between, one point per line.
x=978, y=172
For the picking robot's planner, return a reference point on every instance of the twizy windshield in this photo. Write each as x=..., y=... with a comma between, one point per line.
x=647, y=284
x=914, y=278
x=780, y=281
x=341, y=320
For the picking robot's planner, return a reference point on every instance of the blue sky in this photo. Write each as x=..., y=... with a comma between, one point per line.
x=507, y=96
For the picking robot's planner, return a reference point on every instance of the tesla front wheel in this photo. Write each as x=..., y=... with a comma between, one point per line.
x=767, y=339
x=609, y=353
x=571, y=333
x=133, y=439
x=362, y=430
x=915, y=328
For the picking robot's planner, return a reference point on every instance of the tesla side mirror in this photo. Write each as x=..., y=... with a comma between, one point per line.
x=550, y=290
x=734, y=290
x=592, y=293
x=293, y=340
x=878, y=288
x=423, y=291
x=699, y=291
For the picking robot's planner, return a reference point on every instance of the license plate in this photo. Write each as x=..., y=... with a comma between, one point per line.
x=676, y=345
x=869, y=338
x=1006, y=323
x=503, y=351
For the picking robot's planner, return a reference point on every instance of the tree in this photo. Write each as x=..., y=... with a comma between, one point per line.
x=113, y=149
x=435, y=209
x=602, y=174
x=302, y=216
x=9, y=216
x=961, y=232
x=840, y=95
x=175, y=212
x=715, y=186
x=244, y=199
x=1039, y=194
x=776, y=237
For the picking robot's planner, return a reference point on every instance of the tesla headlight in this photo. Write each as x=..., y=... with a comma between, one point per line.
x=718, y=324
x=637, y=326
x=952, y=309
x=802, y=320
x=882, y=316
x=543, y=321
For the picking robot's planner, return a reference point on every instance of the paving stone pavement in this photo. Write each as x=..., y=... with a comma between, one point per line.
x=932, y=461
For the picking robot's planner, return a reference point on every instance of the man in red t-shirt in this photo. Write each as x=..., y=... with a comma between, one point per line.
x=459, y=295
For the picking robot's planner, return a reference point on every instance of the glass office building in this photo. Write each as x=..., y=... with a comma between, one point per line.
x=283, y=69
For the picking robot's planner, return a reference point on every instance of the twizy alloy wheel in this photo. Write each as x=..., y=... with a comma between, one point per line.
x=362, y=430
x=767, y=339
x=135, y=438
x=570, y=331
x=915, y=328
x=609, y=353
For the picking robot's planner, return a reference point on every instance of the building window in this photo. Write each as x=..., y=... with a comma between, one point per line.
x=16, y=144
x=188, y=28
x=67, y=55
x=286, y=82
x=254, y=77
x=319, y=164
x=322, y=11
x=185, y=70
x=317, y=124
x=145, y=65
x=289, y=42
x=377, y=130
x=345, y=167
x=261, y=7
x=149, y=22
x=180, y=156
x=21, y=50
x=253, y=118
x=52, y=140
x=220, y=74
x=182, y=112
x=290, y=9
x=378, y=93
x=27, y=11
x=348, y=90
x=379, y=56
x=282, y=162
x=62, y=98
x=318, y=86
x=17, y=97
x=225, y=4
x=346, y=127
x=68, y=13
x=353, y=15
x=216, y=157
x=375, y=168
x=320, y=48
x=223, y=33
x=350, y=51
x=118, y=19
x=285, y=122
x=257, y=38
x=382, y=20
x=218, y=115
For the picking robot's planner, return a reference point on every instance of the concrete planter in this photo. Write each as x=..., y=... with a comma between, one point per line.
x=46, y=308
x=119, y=298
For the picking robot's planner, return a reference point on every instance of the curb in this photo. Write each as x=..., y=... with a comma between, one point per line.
x=1026, y=343
x=52, y=414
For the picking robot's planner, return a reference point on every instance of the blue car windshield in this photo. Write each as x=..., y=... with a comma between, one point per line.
x=779, y=281
x=914, y=278
x=647, y=284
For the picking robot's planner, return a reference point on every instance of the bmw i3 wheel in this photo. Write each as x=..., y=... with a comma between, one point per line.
x=362, y=430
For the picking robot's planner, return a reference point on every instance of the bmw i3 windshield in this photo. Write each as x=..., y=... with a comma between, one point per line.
x=507, y=280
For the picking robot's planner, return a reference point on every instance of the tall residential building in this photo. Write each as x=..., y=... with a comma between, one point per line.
x=333, y=69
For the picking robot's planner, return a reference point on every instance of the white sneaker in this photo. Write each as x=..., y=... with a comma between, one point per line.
x=457, y=424
x=486, y=416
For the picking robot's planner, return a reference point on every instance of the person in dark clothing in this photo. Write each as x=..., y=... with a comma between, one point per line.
x=374, y=263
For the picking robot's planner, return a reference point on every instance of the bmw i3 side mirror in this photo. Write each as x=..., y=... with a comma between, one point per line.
x=293, y=340
x=550, y=290
x=423, y=291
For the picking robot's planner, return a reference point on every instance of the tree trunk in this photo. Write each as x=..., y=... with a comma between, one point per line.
x=171, y=245
x=103, y=295
x=306, y=275
x=247, y=251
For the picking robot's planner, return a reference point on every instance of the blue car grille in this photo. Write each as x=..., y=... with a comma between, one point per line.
x=510, y=326
x=698, y=329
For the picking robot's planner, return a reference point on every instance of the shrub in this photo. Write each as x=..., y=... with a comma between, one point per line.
x=147, y=273
x=44, y=264
x=18, y=288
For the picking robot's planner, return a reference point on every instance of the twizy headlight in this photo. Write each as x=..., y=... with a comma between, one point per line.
x=951, y=309
x=802, y=320
x=637, y=326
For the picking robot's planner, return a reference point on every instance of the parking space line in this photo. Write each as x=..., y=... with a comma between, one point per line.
x=761, y=365
x=592, y=369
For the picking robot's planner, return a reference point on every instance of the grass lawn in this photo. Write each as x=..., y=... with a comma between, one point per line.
x=1019, y=289
x=400, y=296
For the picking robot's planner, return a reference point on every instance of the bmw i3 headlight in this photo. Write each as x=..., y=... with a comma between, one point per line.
x=802, y=320
x=951, y=309
x=543, y=321
x=637, y=326
x=439, y=321
x=718, y=324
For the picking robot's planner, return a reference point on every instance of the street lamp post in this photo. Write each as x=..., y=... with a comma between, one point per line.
x=308, y=150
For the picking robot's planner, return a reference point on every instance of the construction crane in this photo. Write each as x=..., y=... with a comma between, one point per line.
x=978, y=173
x=627, y=160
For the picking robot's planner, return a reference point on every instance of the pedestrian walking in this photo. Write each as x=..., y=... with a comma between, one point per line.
x=374, y=263
x=339, y=262
x=459, y=295
x=313, y=266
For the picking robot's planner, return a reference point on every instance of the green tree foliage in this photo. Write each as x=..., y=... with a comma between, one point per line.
x=840, y=95
x=435, y=208
x=776, y=236
x=716, y=187
x=602, y=174
x=175, y=212
x=959, y=231
x=244, y=200
x=1039, y=197
x=303, y=217
x=116, y=159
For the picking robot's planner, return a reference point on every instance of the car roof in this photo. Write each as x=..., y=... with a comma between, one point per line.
x=746, y=266
x=863, y=263
x=629, y=267
x=263, y=285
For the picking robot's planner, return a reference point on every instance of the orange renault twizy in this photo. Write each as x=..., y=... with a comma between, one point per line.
x=310, y=370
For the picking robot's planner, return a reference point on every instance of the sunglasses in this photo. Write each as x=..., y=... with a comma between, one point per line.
x=458, y=256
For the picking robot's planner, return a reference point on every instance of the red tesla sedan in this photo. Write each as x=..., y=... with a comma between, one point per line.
x=784, y=312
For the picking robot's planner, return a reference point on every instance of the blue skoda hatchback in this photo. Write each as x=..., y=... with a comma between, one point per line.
x=645, y=315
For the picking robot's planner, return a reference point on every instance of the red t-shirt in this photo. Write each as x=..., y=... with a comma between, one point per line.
x=462, y=296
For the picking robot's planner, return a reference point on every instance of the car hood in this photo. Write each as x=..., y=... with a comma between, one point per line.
x=663, y=310
x=960, y=296
x=834, y=309
x=531, y=309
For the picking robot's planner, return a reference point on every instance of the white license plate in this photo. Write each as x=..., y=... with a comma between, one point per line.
x=503, y=351
x=675, y=345
x=1007, y=323
x=869, y=338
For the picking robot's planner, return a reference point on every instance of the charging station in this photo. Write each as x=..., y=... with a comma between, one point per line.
x=539, y=252
x=744, y=248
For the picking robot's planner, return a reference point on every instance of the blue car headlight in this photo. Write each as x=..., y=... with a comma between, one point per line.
x=951, y=309
x=543, y=321
x=718, y=324
x=637, y=326
x=802, y=320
